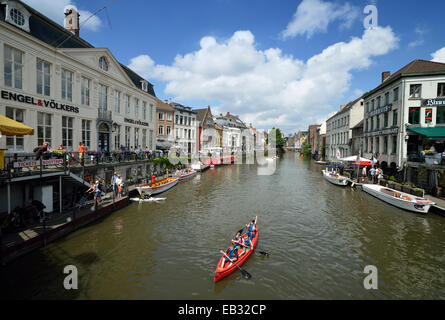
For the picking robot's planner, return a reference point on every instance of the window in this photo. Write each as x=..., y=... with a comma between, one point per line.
x=385, y=119
x=371, y=147
x=144, y=138
x=190, y=121
x=177, y=133
x=385, y=144
x=13, y=68
x=169, y=129
x=386, y=98
x=15, y=143
x=366, y=125
x=127, y=104
x=43, y=77
x=85, y=91
x=67, y=85
x=169, y=116
x=17, y=17
x=103, y=64
x=67, y=133
x=117, y=137
x=372, y=104
x=117, y=101
x=366, y=145
x=367, y=106
x=161, y=130
x=86, y=133
x=144, y=111
x=44, y=126
x=394, y=144
x=150, y=139
x=414, y=115
x=136, y=108
x=181, y=118
x=103, y=97
x=127, y=136
x=379, y=100
x=395, y=116
x=136, y=137
x=396, y=94
x=441, y=89
x=193, y=121
x=372, y=123
x=415, y=91
x=161, y=115
x=151, y=113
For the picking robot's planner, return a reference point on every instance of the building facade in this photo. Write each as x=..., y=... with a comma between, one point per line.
x=405, y=115
x=313, y=139
x=186, y=128
x=68, y=90
x=339, y=130
x=205, y=121
x=234, y=132
x=165, y=115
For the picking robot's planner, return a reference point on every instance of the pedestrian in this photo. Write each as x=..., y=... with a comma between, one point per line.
x=372, y=173
x=40, y=150
x=81, y=150
x=114, y=184
x=379, y=175
x=364, y=173
x=119, y=185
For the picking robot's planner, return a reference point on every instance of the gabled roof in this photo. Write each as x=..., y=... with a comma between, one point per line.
x=163, y=106
x=55, y=35
x=417, y=67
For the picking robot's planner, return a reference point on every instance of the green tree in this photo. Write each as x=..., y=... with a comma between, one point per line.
x=307, y=150
x=278, y=138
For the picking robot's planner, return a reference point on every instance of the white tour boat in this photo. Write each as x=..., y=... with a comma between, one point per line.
x=399, y=199
x=158, y=186
x=199, y=166
x=334, y=178
x=185, y=174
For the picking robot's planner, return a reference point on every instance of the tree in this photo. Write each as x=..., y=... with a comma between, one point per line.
x=278, y=138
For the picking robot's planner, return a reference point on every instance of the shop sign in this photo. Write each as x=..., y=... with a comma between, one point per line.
x=382, y=133
x=139, y=122
x=35, y=163
x=434, y=102
x=380, y=110
x=428, y=115
x=38, y=102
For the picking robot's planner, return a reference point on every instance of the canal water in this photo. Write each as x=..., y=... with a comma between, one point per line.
x=319, y=236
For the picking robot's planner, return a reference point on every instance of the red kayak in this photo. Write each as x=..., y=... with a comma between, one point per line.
x=221, y=273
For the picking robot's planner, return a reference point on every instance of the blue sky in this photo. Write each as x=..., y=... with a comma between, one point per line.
x=237, y=56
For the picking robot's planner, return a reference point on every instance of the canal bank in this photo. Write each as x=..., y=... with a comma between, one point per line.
x=320, y=238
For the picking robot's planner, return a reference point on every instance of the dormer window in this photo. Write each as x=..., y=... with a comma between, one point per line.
x=144, y=86
x=103, y=64
x=17, y=17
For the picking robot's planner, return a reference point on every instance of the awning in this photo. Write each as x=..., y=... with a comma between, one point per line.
x=354, y=158
x=437, y=133
x=9, y=127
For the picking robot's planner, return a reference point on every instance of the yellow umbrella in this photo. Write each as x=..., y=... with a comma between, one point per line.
x=9, y=127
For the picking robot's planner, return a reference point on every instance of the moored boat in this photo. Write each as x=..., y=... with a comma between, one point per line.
x=223, y=272
x=399, y=199
x=158, y=186
x=335, y=178
x=185, y=174
x=199, y=166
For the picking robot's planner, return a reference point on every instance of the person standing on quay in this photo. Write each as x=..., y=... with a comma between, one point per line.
x=81, y=150
x=364, y=173
x=114, y=183
x=372, y=172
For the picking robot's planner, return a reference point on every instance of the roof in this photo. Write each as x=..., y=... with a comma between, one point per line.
x=163, y=106
x=55, y=35
x=346, y=108
x=182, y=108
x=414, y=68
x=437, y=133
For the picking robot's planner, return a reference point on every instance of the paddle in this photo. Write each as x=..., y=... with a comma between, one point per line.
x=246, y=274
x=255, y=250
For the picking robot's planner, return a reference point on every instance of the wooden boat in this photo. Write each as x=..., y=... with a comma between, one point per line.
x=223, y=272
x=186, y=174
x=335, y=178
x=158, y=186
x=399, y=199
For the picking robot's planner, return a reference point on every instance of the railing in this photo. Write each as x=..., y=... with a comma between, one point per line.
x=68, y=161
x=104, y=115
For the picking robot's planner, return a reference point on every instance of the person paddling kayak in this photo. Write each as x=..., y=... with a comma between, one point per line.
x=232, y=254
x=238, y=241
x=247, y=244
x=251, y=228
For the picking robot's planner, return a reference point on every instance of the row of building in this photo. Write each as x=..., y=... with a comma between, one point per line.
x=70, y=91
x=401, y=121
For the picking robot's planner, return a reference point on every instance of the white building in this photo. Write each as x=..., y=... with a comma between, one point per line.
x=405, y=114
x=186, y=128
x=339, y=129
x=66, y=89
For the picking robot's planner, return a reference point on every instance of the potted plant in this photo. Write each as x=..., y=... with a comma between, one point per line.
x=407, y=188
x=418, y=192
x=383, y=182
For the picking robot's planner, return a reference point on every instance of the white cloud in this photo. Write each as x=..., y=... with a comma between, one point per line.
x=54, y=9
x=416, y=43
x=267, y=87
x=314, y=16
x=439, y=55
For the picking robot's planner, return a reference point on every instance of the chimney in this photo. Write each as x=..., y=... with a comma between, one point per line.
x=228, y=115
x=385, y=75
x=342, y=106
x=72, y=21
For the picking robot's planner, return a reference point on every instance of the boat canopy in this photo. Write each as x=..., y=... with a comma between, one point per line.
x=354, y=158
x=335, y=166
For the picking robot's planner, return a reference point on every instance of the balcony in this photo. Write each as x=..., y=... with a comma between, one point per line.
x=104, y=115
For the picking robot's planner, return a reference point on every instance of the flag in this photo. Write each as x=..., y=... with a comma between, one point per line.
x=338, y=155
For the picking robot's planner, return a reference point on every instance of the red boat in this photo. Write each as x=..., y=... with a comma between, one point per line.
x=221, y=273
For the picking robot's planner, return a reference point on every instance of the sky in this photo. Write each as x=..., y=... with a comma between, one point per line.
x=276, y=63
